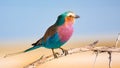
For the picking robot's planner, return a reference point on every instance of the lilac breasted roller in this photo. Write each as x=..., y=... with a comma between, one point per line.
x=57, y=34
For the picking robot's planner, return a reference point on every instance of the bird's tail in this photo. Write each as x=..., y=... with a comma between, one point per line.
x=27, y=50
x=32, y=48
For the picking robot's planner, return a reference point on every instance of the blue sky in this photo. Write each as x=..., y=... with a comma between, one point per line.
x=20, y=19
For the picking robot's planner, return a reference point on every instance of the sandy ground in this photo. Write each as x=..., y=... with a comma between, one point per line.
x=78, y=60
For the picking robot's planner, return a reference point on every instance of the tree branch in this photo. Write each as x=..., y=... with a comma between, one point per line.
x=90, y=47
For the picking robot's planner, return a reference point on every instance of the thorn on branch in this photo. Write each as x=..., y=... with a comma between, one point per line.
x=93, y=44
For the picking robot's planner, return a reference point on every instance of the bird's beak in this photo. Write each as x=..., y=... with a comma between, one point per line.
x=76, y=16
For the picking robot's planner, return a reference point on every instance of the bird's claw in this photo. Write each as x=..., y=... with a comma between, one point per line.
x=65, y=52
x=55, y=55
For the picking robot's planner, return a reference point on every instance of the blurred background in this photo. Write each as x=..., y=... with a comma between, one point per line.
x=23, y=22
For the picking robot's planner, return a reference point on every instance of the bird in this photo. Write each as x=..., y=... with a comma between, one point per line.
x=57, y=34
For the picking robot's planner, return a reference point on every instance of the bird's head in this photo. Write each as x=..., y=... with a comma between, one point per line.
x=66, y=18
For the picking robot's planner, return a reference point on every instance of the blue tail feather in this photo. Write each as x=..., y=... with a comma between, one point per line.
x=27, y=50
x=32, y=48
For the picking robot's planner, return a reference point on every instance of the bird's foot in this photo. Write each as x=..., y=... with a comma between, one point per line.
x=64, y=51
x=55, y=55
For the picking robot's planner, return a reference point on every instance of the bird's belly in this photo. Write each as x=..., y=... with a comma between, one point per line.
x=53, y=42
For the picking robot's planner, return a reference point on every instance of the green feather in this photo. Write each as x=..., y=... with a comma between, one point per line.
x=60, y=21
x=61, y=18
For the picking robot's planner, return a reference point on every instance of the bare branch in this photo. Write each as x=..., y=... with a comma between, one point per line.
x=90, y=47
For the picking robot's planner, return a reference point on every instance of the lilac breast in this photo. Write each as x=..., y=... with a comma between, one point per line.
x=65, y=32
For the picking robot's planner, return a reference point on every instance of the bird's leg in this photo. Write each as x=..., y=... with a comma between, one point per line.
x=55, y=56
x=64, y=51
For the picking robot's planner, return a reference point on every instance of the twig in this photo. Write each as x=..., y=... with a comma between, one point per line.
x=110, y=56
x=96, y=53
x=118, y=38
